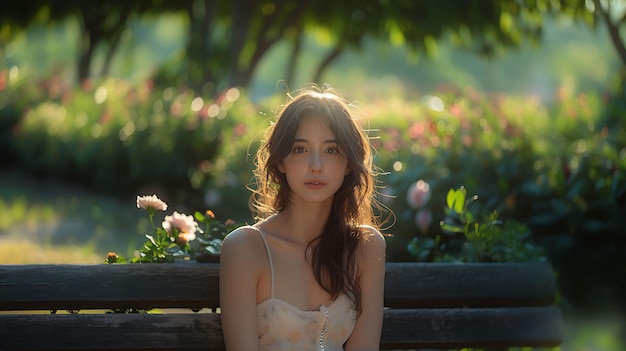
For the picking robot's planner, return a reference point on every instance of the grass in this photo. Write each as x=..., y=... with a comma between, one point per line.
x=52, y=222
x=24, y=251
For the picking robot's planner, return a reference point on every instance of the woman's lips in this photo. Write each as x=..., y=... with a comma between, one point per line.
x=314, y=184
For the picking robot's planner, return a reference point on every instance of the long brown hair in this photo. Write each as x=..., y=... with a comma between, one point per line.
x=333, y=252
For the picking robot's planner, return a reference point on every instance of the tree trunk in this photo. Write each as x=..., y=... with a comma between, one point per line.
x=325, y=63
x=198, y=65
x=241, y=17
x=265, y=38
x=115, y=40
x=290, y=74
x=88, y=38
x=614, y=32
x=84, y=57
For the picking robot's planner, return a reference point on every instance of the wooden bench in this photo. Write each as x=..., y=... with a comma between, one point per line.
x=429, y=305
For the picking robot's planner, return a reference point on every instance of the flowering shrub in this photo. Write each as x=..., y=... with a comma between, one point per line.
x=115, y=137
x=176, y=235
x=467, y=237
x=417, y=197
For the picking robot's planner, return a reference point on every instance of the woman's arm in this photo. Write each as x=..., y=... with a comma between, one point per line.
x=371, y=270
x=239, y=273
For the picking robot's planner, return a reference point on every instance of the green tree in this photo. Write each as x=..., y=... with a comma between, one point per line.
x=484, y=27
x=101, y=22
x=226, y=40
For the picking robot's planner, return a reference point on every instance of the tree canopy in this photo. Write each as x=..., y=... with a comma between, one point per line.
x=226, y=40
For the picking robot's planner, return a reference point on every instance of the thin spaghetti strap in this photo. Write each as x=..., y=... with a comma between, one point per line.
x=269, y=257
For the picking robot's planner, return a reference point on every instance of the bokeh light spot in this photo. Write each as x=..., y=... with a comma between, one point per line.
x=96, y=131
x=397, y=166
x=157, y=106
x=100, y=96
x=213, y=111
x=434, y=103
x=196, y=104
x=232, y=94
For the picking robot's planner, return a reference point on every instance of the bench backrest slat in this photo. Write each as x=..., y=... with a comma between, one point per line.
x=196, y=285
x=469, y=284
x=402, y=329
x=41, y=287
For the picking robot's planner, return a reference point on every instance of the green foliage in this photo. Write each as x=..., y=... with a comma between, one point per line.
x=116, y=137
x=559, y=170
x=158, y=248
x=179, y=236
x=211, y=237
x=223, y=59
x=474, y=239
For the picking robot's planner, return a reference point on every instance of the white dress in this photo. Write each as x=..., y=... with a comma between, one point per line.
x=283, y=326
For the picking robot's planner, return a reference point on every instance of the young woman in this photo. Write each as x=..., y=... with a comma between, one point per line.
x=309, y=275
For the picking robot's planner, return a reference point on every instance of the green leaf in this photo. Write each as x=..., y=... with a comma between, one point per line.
x=458, y=203
x=450, y=197
x=451, y=228
x=199, y=216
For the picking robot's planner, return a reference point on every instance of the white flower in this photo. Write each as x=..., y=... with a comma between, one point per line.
x=418, y=194
x=185, y=225
x=152, y=201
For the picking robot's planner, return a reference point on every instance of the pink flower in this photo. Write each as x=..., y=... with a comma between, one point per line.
x=147, y=202
x=416, y=130
x=184, y=224
x=423, y=219
x=418, y=194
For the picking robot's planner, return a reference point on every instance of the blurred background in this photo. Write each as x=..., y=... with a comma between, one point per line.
x=521, y=103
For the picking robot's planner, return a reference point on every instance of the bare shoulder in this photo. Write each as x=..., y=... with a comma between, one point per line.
x=372, y=244
x=242, y=241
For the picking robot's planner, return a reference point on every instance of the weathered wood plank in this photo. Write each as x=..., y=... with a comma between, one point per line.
x=426, y=328
x=111, y=332
x=469, y=284
x=452, y=328
x=196, y=285
x=42, y=287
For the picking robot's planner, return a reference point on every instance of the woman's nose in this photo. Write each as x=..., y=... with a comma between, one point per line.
x=315, y=165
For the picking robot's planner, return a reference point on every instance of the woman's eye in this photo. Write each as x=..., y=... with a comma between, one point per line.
x=332, y=150
x=298, y=149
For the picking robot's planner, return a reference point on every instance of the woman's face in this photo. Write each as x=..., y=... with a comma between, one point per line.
x=315, y=166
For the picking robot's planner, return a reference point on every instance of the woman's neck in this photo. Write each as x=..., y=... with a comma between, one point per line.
x=302, y=224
